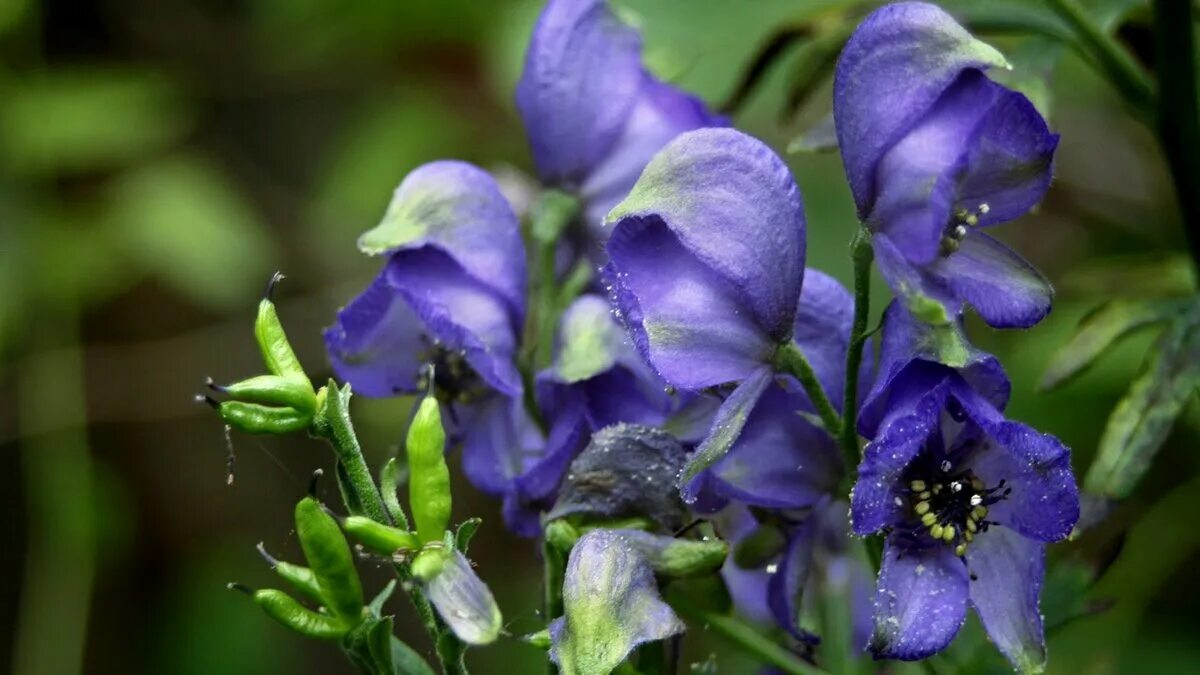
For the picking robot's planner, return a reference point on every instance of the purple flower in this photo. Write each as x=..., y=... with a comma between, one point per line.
x=452, y=291
x=706, y=261
x=935, y=151
x=968, y=500
x=593, y=114
x=597, y=380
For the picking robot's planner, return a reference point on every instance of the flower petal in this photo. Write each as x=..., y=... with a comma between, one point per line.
x=583, y=73
x=920, y=603
x=780, y=460
x=500, y=443
x=727, y=426
x=916, y=407
x=464, y=602
x=891, y=72
x=459, y=312
x=1008, y=570
x=1044, y=503
x=376, y=343
x=908, y=343
x=785, y=591
x=824, y=318
x=733, y=205
x=686, y=320
x=458, y=208
x=747, y=586
x=997, y=282
x=611, y=606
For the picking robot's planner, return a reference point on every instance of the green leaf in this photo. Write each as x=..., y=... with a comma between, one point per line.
x=181, y=221
x=376, y=604
x=1100, y=330
x=406, y=661
x=1143, y=418
x=819, y=138
x=466, y=532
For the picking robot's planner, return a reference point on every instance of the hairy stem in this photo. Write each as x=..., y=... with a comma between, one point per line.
x=790, y=360
x=744, y=637
x=1178, y=118
x=553, y=568
x=1126, y=75
x=863, y=255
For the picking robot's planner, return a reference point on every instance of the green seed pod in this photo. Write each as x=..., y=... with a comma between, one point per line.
x=329, y=556
x=429, y=477
x=272, y=340
x=561, y=535
x=389, y=478
x=299, y=577
x=380, y=538
x=253, y=418
x=429, y=563
x=287, y=611
x=273, y=390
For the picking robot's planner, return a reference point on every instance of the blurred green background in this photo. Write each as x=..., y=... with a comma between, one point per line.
x=161, y=158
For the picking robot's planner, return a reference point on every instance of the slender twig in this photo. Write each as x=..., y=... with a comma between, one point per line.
x=790, y=360
x=1178, y=117
x=744, y=636
x=1126, y=75
x=553, y=569
x=862, y=254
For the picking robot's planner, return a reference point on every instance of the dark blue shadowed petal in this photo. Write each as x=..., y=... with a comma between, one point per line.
x=500, y=443
x=910, y=344
x=459, y=312
x=921, y=601
x=582, y=77
x=785, y=590
x=611, y=606
x=661, y=113
x=916, y=407
x=747, y=587
x=780, y=460
x=376, y=344
x=824, y=318
x=1008, y=571
x=687, y=321
x=733, y=206
x=998, y=283
x=1044, y=502
x=459, y=209
x=727, y=426
x=891, y=72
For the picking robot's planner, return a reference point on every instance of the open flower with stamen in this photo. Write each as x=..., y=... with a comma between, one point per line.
x=968, y=500
x=934, y=152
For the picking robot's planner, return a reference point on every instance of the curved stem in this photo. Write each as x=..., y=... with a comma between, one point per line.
x=1126, y=75
x=1178, y=117
x=790, y=360
x=863, y=255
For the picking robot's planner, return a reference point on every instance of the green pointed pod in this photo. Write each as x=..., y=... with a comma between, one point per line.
x=330, y=559
x=287, y=611
x=254, y=418
x=380, y=538
x=428, y=476
x=272, y=340
x=273, y=390
x=298, y=577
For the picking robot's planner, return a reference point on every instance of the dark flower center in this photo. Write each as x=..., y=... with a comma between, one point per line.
x=454, y=381
x=953, y=507
x=958, y=227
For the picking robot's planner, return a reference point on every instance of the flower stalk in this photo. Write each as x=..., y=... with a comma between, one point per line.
x=790, y=360
x=863, y=255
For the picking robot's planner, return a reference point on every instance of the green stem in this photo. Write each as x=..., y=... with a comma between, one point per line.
x=553, y=569
x=863, y=255
x=57, y=465
x=790, y=360
x=1178, y=118
x=334, y=425
x=743, y=636
x=1126, y=75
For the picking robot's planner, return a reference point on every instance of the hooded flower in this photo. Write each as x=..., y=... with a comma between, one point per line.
x=934, y=152
x=968, y=500
x=451, y=292
x=706, y=261
x=593, y=114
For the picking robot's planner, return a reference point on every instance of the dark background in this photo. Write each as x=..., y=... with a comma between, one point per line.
x=160, y=159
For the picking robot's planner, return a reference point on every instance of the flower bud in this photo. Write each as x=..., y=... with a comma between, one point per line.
x=287, y=611
x=329, y=556
x=381, y=539
x=429, y=477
